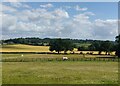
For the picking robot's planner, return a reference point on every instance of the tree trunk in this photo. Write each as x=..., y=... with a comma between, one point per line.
x=99, y=52
x=106, y=53
x=65, y=52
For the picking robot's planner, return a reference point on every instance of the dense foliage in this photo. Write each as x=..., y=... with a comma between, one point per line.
x=59, y=44
x=118, y=46
x=45, y=41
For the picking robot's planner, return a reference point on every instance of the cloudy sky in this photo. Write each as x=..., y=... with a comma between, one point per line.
x=77, y=20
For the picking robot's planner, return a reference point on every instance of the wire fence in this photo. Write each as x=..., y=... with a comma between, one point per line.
x=58, y=59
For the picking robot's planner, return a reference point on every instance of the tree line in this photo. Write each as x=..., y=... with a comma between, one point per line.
x=106, y=46
x=59, y=44
x=45, y=41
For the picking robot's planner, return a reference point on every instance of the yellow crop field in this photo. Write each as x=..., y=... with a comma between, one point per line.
x=30, y=48
x=24, y=48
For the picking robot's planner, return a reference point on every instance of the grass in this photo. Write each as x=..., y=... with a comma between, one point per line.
x=60, y=72
x=55, y=72
x=82, y=44
x=27, y=56
x=0, y=73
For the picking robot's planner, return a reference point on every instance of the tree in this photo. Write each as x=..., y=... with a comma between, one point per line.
x=96, y=46
x=56, y=45
x=68, y=45
x=106, y=46
x=81, y=48
x=61, y=45
x=92, y=47
x=118, y=45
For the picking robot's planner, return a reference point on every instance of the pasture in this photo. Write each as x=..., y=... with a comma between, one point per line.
x=39, y=69
x=58, y=72
x=64, y=72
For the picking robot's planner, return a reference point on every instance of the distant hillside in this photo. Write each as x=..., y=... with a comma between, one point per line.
x=46, y=41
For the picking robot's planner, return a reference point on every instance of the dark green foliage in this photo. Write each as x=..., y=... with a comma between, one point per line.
x=29, y=41
x=68, y=45
x=56, y=45
x=106, y=46
x=82, y=48
x=61, y=45
x=118, y=46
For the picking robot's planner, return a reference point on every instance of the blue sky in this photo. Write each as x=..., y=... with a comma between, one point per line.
x=103, y=10
x=77, y=20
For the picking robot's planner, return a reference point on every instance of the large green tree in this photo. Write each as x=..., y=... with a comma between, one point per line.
x=96, y=46
x=118, y=45
x=68, y=45
x=57, y=45
x=106, y=46
x=100, y=46
x=61, y=45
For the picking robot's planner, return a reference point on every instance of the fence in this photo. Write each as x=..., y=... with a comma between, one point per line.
x=58, y=59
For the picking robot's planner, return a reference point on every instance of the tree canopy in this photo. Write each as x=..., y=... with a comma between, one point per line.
x=118, y=45
x=61, y=45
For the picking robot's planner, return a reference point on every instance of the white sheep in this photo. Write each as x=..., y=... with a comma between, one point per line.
x=65, y=58
x=22, y=55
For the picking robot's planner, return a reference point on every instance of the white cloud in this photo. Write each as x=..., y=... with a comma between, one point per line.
x=13, y=0
x=61, y=13
x=19, y=4
x=46, y=5
x=16, y=4
x=105, y=29
x=57, y=23
x=80, y=9
x=26, y=6
x=7, y=8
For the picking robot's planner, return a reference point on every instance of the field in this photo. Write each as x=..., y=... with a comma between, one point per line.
x=60, y=72
x=30, y=48
x=54, y=71
x=24, y=48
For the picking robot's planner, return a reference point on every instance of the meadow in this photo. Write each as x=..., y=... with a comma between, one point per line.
x=64, y=72
x=55, y=72
x=58, y=72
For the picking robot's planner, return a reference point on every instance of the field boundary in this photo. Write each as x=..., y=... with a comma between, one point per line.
x=60, y=84
x=58, y=59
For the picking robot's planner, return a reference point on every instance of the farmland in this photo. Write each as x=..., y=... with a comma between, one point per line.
x=60, y=72
x=30, y=48
x=24, y=48
x=37, y=71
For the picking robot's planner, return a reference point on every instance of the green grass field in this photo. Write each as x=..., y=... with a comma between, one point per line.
x=55, y=72
x=60, y=72
x=52, y=56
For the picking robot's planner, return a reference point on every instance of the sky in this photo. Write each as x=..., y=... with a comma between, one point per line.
x=75, y=20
